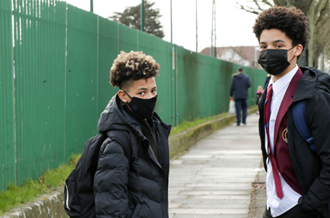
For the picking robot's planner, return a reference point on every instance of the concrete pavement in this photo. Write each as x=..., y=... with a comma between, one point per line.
x=214, y=178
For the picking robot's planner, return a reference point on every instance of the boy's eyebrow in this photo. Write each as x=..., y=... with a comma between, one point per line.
x=140, y=89
x=279, y=40
x=143, y=89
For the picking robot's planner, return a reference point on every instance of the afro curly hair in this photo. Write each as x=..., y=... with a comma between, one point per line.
x=128, y=67
x=292, y=21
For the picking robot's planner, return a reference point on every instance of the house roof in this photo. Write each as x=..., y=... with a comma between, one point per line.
x=246, y=52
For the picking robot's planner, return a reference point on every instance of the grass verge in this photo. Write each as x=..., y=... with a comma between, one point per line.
x=15, y=196
x=186, y=125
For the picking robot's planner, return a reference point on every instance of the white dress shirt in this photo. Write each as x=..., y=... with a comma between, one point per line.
x=290, y=199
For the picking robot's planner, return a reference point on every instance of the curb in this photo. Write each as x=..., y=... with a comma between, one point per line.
x=51, y=205
x=183, y=141
x=258, y=194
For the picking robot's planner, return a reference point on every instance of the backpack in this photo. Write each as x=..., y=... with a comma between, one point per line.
x=78, y=190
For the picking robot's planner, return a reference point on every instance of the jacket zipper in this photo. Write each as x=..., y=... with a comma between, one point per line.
x=153, y=156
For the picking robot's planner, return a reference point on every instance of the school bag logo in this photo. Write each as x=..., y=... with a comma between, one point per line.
x=285, y=135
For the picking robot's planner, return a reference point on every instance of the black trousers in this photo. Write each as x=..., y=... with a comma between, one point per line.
x=295, y=212
x=241, y=106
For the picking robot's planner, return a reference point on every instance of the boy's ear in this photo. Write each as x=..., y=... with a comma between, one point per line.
x=299, y=49
x=122, y=95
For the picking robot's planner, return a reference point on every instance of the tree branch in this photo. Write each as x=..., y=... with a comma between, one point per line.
x=291, y=3
x=323, y=10
x=310, y=4
x=256, y=2
x=267, y=3
x=303, y=5
x=280, y=2
x=250, y=10
x=318, y=5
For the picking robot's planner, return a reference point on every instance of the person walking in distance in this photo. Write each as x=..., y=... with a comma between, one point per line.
x=298, y=167
x=239, y=89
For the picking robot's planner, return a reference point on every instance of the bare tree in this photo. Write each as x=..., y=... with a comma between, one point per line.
x=255, y=6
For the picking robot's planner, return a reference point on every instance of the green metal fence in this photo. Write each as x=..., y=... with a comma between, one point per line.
x=54, y=82
x=203, y=83
x=39, y=48
x=7, y=120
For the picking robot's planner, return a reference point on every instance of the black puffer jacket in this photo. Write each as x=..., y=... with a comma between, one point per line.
x=137, y=187
x=312, y=170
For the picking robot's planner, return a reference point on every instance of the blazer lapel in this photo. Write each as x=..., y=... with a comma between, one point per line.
x=286, y=102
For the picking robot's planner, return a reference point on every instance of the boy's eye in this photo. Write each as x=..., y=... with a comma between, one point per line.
x=278, y=46
x=154, y=91
x=141, y=93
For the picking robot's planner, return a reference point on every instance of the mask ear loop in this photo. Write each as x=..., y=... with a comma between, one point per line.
x=127, y=94
x=293, y=55
x=292, y=48
x=127, y=103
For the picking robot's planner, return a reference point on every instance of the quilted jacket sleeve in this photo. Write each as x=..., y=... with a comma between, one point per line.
x=318, y=194
x=110, y=183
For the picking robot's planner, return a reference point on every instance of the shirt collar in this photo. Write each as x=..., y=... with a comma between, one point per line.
x=283, y=81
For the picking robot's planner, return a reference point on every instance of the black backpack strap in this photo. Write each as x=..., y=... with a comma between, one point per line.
x=123, y=138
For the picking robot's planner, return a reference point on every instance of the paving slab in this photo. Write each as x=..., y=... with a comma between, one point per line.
x=214, y=178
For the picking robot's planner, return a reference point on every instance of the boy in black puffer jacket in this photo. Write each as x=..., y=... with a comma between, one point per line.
x=135, y=185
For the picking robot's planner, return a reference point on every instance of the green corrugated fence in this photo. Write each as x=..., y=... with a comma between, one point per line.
x=7, y=109
x=54, y=82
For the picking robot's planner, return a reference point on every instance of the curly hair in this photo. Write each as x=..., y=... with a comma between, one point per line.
x=292, y=21
x=132, y=66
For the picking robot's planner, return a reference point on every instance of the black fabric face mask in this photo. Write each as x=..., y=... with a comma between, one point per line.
x=142, y=107
x=274, y=61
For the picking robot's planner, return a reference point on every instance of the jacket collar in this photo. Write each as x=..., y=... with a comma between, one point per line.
x=306, y=84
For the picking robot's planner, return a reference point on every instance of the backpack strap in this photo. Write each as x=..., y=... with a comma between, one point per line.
x=299, y=118
x=123, y=139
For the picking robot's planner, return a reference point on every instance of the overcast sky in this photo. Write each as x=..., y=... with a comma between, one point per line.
x=233, y=26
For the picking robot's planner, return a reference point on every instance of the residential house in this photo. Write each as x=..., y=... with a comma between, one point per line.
x=243, y=55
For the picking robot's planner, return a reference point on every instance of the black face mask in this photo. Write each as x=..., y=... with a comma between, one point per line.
x=142, y=107
x=274, y=61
